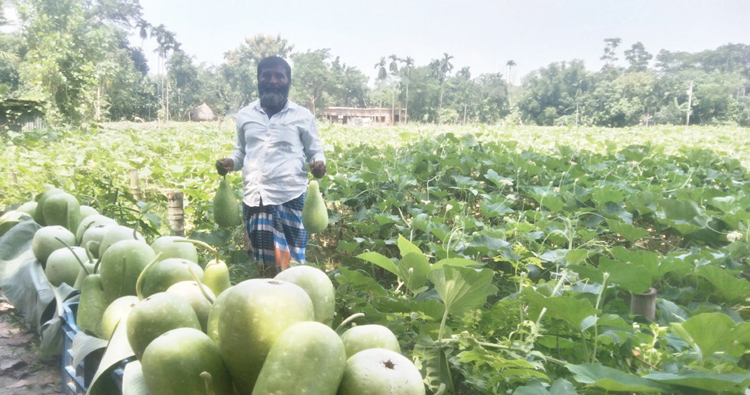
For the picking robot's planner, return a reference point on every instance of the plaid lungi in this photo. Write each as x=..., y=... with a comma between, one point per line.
x=276, y=233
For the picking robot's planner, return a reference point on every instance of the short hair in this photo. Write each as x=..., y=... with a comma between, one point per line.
x=273, y=61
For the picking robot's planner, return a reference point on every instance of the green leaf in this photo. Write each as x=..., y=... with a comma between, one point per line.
x=405, y=246
x=613, y=380
x=462, y=288
x=359, y=281
x=534, y=388
x=132, y=380
x=562, y=387
x=83, y=345
x=607, y=194
x=708, y=332
x=733, y=289
x=380, y=260
x=462, y=262
x=117, y=351
x=634, y=278
x=573, y=311
x=712, y=382
x=576, y=256
x=414, y=268
x=630, y=232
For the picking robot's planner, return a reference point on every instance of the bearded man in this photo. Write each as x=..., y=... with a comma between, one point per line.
x=276, y=139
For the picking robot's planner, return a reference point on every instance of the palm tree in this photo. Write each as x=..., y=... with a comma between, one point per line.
x=393, y=67
x=407, y=67
x=167, y=42
x=441, y=68
x=382, y=73
x=511, y=63
x=143, y=27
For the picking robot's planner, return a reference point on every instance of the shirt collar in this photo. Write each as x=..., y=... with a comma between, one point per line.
x=289, y=105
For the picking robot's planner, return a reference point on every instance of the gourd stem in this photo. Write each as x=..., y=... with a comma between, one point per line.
x=208, y=380
x=139, y=283
x=88, y=253
x=204, y=245
x=349, y=319
x=74, y=254
x=211, y=299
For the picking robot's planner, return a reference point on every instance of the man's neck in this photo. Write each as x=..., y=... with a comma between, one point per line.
x=271, y=111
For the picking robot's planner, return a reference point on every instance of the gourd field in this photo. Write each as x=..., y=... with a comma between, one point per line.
x=504, y=259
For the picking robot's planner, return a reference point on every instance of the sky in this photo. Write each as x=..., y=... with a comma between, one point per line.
x=481, y=34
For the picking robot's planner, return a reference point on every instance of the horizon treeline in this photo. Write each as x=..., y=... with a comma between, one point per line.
x=76, y=58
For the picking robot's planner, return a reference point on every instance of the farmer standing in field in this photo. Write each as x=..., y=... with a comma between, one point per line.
x=276, y=139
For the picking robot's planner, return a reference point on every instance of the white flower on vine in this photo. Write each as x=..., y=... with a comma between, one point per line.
x=734, y=236
x=448, y=207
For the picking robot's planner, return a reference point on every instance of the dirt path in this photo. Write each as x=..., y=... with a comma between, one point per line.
x=22, y=372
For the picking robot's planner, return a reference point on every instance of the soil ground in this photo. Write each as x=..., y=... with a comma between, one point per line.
x=22, y=371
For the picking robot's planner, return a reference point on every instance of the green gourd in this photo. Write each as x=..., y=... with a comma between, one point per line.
x=226, y=209
x=216, y=273
x=92, y=305
x=41, y=198
x=62, y=209
x=314, y=212
x=307, y=358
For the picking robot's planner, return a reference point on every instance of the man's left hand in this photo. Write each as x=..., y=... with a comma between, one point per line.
x=318, y=169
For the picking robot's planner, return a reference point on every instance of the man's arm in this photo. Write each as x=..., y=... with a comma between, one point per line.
x=314, y=149
x=236, y=161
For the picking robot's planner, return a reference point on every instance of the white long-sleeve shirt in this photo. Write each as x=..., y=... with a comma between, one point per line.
x=273, y=153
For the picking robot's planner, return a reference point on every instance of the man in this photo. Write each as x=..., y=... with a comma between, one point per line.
x=276, y=138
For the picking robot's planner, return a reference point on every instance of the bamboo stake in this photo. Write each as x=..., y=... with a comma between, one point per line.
x=135, y=189
x=175, y=212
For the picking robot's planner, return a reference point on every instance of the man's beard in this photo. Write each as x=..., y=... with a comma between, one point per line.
x=273, y=97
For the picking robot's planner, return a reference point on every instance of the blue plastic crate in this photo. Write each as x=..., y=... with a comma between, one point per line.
x=77, y=379
x=73, y=380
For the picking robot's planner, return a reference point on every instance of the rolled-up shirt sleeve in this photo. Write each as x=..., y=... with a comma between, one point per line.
x=238, y=156
x=311, y=142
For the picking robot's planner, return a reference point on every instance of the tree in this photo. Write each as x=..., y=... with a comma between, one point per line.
x=610, y=54
x=441, y=69
x=166, y=41
x=637, y=57
x=510, y=64
x=313, y=78
x=72, y=57
x=406, y=76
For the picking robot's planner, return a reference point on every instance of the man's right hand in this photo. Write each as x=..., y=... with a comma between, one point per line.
x=224, y=166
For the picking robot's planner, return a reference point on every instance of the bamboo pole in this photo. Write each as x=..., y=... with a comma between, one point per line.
x=135, y=188
x=175, y=212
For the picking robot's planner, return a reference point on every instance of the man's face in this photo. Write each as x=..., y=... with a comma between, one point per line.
x=273, y=86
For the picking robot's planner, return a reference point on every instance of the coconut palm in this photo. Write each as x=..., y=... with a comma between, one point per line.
x=511, y=63
x=406, y=70
x=441, y=68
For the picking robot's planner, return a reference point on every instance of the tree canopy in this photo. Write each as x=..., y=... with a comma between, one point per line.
x=75, y=56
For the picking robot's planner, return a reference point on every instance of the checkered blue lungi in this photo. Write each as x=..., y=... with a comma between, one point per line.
x=276, y=233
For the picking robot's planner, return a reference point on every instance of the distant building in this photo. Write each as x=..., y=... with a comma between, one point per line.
x=365, y=116
x=21, y=115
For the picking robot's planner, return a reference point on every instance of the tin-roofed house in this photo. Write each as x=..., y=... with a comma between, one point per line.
x=365, y=116
x=21, y=115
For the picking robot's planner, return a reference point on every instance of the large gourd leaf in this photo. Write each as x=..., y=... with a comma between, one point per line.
x=730, y=287
x=713, y=382
x=462, y=288
x=614, y=380
x=573, y=311
x=708, y=332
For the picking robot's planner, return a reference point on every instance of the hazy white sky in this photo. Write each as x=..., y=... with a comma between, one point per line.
x=482, y=34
